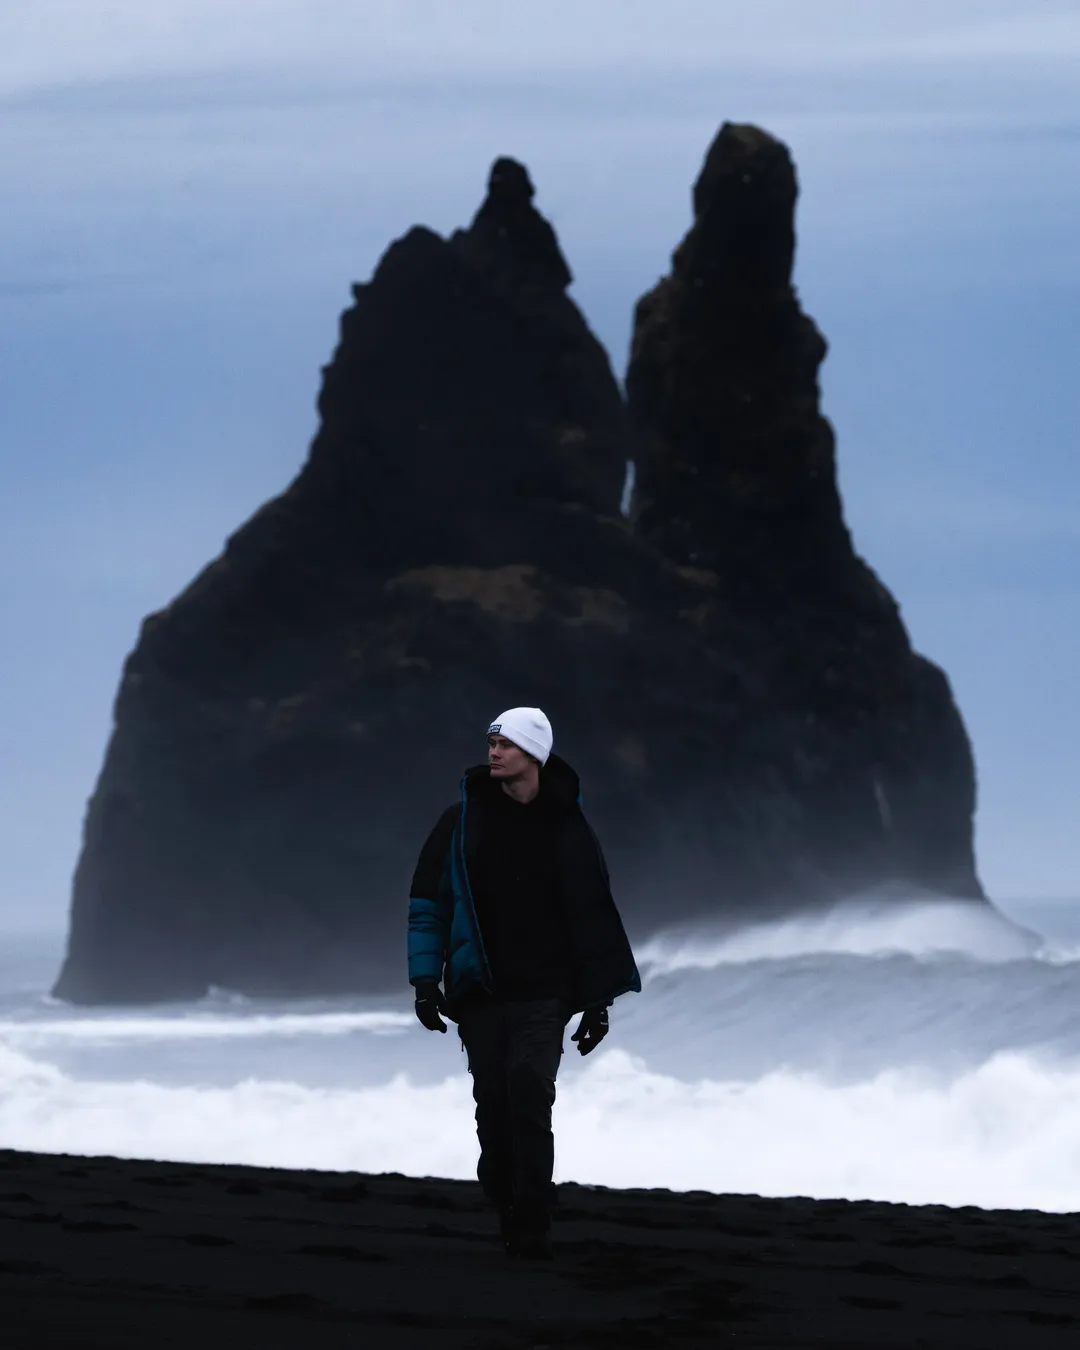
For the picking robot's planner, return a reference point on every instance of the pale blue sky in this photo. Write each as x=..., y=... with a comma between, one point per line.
x=189, y=192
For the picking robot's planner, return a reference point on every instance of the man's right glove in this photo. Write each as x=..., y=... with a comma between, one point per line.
x=591, y=1030
x=429, y=1004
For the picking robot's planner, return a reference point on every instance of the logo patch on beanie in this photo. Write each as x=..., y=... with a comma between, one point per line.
x=494, y=729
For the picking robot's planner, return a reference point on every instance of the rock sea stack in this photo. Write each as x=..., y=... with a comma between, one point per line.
x=755, y=734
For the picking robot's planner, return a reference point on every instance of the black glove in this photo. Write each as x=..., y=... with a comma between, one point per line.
x=429, y=1004
x=591, y=1030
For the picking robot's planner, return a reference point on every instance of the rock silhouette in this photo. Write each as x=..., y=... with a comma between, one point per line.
x=736, y=687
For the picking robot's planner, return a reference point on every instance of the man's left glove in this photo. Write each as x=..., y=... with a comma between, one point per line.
x=429, y=1004
x=591, y=1030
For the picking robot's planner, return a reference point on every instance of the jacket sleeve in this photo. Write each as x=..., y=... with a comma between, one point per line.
x=430, y=906
x=604, y=965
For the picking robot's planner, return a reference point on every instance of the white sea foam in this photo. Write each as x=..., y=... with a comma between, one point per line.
x=195, y=1026
x=873, y=926
x=927, y=1052
x=1004, y=1134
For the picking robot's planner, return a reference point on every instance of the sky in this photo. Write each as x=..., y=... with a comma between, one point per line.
x=190, y=188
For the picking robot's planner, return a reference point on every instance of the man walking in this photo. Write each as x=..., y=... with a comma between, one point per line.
x=511, y=907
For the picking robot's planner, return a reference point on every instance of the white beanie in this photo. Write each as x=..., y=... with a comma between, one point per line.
x=528, y=728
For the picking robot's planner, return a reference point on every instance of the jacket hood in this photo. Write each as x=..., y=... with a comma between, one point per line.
x=559, y=783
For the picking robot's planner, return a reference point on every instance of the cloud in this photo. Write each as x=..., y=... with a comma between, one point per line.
x=56, y=42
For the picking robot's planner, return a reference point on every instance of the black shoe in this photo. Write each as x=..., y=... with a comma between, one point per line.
x=525, y=1235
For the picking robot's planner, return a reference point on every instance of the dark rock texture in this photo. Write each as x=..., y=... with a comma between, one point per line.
x=835, y=716
x=735, y=685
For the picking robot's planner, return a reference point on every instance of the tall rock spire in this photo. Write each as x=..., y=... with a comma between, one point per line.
x=753, y=731
x=452, y=546
x=737, y=485
x=735, y=463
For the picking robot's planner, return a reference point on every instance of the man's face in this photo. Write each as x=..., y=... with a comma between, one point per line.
x=507, y=760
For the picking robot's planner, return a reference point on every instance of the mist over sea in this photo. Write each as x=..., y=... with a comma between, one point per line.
x=920, y=1051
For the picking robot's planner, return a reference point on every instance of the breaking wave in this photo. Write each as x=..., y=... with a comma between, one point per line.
x=921, y=1053
x=1001, y=1135
x=110, y=1030
x=878, y=926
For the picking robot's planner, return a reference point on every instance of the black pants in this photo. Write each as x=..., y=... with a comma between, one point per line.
x=514, y=1051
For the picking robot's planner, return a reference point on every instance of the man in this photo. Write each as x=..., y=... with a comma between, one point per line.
x=511, y=907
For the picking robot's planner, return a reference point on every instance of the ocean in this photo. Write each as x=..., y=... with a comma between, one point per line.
x=924, y=1052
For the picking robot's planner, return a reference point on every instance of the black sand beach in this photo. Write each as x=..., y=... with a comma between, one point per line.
x=98, y=1253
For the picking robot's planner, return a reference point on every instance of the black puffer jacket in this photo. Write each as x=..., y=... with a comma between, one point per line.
x=445, y=941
